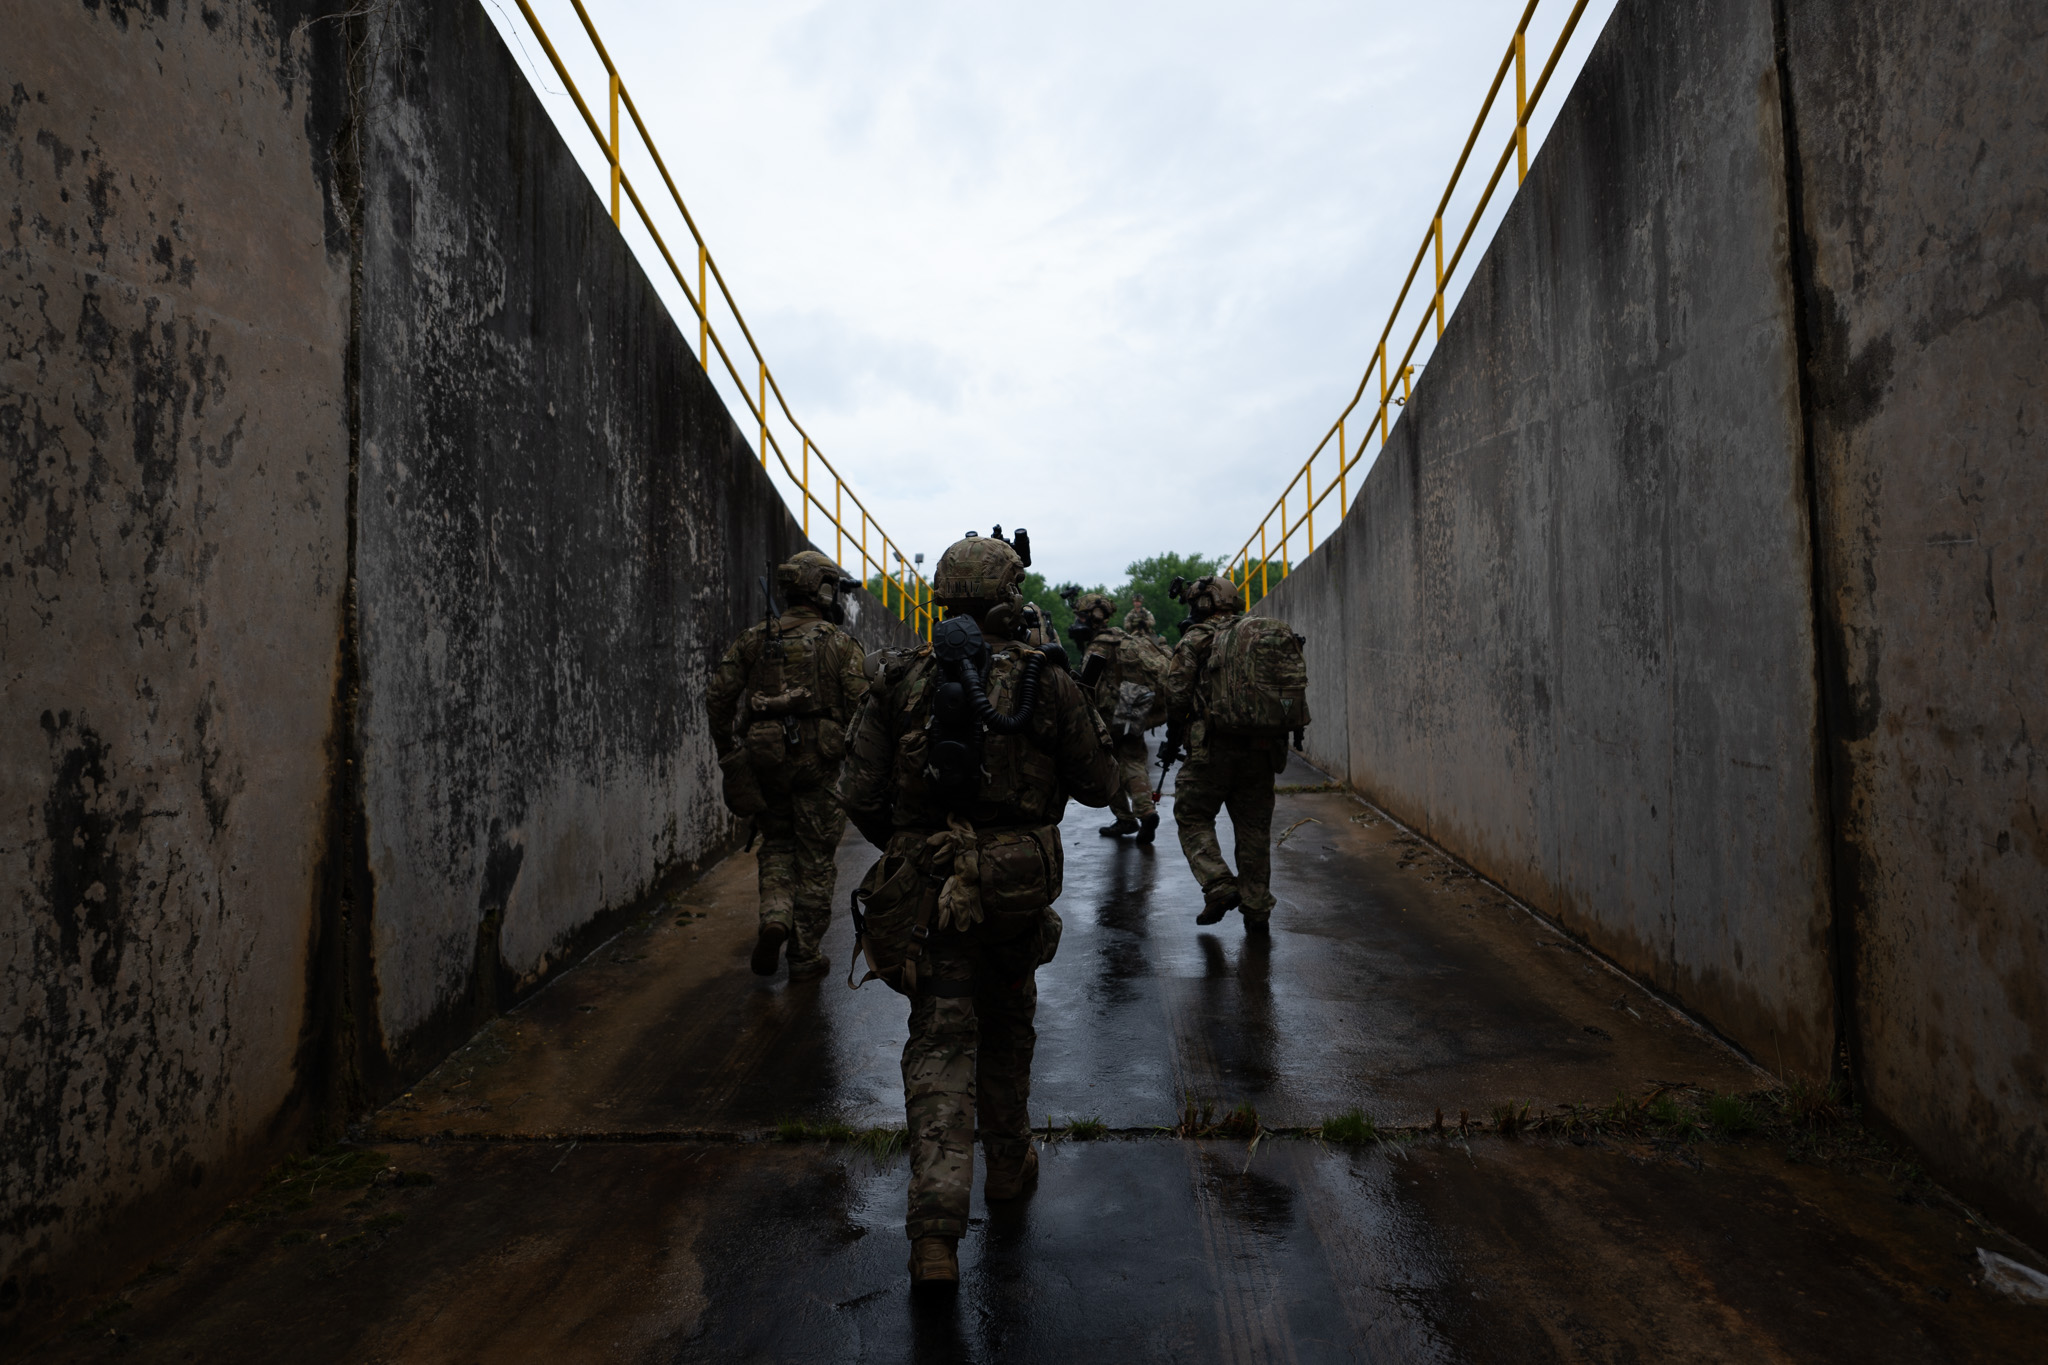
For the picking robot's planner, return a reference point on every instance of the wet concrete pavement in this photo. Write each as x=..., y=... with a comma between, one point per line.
x=587, y=1180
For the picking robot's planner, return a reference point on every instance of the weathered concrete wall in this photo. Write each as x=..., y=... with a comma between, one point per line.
x=269, y=845
x=1568, y=629
x=1574, y=637
x=1923, y=224
x=173, y=545
x=561, y=531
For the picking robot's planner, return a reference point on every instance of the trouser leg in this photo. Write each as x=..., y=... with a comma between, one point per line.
x=1251, y=818
x=778, y=863
x=1135, y=792
x=1197, y=797
x=818, y=822
x=938, y=1106
x=1002, y=1078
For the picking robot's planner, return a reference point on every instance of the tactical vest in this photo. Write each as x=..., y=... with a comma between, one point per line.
x=795, y=712
x=990, y=865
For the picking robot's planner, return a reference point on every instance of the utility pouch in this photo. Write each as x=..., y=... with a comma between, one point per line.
x=742, y=790
x=767, y=744
x=893, y=909
x=1020, y=877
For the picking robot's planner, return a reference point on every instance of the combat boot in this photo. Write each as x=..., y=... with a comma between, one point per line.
x=1216, y=904
x=1012, y=1184
x=807, y=966
x=1124, y=825
x=934, y=1265
x=1148, y=827
x=768, y=949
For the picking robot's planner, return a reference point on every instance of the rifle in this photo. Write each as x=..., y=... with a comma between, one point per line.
x=1169, y=754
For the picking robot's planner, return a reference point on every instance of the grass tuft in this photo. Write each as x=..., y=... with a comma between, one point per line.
x=1088, y=1129
x=880, y=1143
x=1352, y=1128
x=1731, y=1115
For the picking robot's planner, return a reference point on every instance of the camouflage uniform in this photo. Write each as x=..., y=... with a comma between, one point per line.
x=1132, y=801
x=801, y=822
x=971, y=1032
x=1139, y=621
x=1222, y=770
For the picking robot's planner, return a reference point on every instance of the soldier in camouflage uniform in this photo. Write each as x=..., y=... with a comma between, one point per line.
x=779, y=702
x=1132, y=804
x=1139, y=621
x=1222, y=770
x=956, y=783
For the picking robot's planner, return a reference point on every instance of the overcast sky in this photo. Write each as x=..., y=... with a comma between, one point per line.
x=1105, y=270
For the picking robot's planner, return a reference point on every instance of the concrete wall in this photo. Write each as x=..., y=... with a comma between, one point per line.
x=173, y=545
x=1923, y=226
x=369, y=532
x=1569, y=626
x=1580, y=652
x=561, y=531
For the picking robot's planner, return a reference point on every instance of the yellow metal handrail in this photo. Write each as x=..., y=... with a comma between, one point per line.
x=1242, y=565
x=911, y=596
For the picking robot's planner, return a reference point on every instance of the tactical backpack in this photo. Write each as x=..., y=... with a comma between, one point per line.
x=1255, y=681
x=963, y=716
x=792, y=707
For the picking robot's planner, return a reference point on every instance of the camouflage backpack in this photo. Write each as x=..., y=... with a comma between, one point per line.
x=791, y=683
x=1141, y=679
x=1255, y=682
x=993, y=880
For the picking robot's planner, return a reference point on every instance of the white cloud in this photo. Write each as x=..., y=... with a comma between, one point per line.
x=1104, y=270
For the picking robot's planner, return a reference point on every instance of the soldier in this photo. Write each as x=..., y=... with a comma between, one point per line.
x=1138, y=621
x=1124, y=675
x=959, y=767
x=1235, y=689
x=779, y=702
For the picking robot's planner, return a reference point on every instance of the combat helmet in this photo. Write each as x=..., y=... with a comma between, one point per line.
x=977, y=570
x=814, y=578
x=1098, y=605
x=1210, y=595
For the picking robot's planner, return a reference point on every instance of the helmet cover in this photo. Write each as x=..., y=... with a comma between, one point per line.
x=977, y=569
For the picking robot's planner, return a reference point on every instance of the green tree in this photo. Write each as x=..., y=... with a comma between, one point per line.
x=1150, y=578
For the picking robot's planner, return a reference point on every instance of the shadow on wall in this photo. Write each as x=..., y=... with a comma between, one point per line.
x=364, y=576
x=1568, y=626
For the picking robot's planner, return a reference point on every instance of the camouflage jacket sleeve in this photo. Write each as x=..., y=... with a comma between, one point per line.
x=1182, y=673
x=867, y=778
x=1107, y=644
x=722, y=697
x=1081, y=744
x=853, y=675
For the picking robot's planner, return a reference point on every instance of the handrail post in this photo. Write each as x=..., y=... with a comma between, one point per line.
x=1383, y=394
x=763, y=410
x=863, y=547
x=838, y=523
x=613, y=149
x=1521, y=106
x=1343, y=474
x=807, y=487
x=1264, y=554
x=1407, y=394
x=1309, y=473
x=1439, y=275
x=703, y=312
x=1284, y=535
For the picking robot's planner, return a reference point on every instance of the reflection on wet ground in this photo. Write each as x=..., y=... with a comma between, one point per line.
x=592, y=1177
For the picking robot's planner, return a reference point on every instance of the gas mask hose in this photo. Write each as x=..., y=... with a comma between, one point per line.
x=1027, y=694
